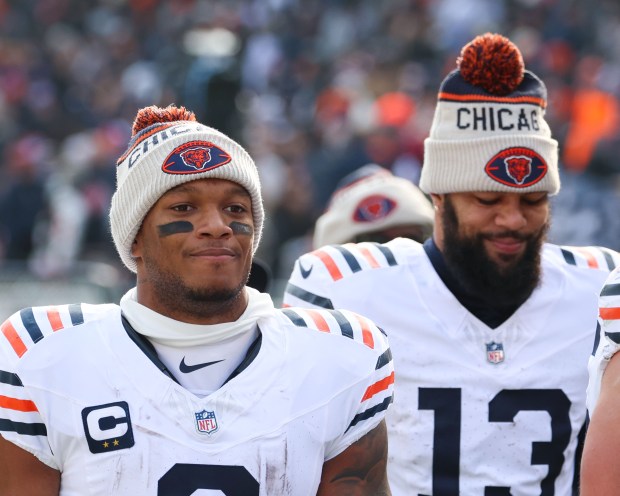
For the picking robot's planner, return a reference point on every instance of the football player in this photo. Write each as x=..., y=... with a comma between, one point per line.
x=195, y=381
x=491, y=327
x=599, y=474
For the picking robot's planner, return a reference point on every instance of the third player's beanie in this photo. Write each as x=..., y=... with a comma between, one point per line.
x=169, y=147
x=375, y=201
x=489, y=131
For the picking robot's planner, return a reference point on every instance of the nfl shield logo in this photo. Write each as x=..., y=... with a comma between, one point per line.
x=206, y=422
x=495, y=352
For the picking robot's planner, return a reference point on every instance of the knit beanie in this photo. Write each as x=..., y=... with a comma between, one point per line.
x=372, y=201
x=489, y=131
x=169, y=147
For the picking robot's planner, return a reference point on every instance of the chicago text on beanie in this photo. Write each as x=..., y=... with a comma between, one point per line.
x=489, y=132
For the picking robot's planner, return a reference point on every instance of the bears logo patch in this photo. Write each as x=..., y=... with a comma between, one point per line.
x=373, y=208
x=518, y=167
x=194, y=157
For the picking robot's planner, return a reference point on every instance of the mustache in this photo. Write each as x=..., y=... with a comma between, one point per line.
x=509, y=234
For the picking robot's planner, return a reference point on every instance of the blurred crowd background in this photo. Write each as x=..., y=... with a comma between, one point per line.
x=313, y=89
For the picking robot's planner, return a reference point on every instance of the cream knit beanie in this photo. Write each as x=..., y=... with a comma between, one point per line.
x=372, y=202
x=489, y=131
x=169, y=148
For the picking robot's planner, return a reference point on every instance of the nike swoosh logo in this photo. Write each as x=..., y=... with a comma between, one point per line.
x=305, y=272
x=186, y=369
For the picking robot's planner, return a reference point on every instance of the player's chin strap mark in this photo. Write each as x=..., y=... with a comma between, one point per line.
x=179, y=226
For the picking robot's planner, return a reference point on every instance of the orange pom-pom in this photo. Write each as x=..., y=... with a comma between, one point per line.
x=492, y=62
x=148, y=116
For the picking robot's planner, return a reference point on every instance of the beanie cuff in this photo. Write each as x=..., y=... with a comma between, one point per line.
x=491, y=164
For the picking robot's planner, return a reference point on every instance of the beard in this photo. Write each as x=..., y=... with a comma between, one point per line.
x=203, y=302
x=509, y=284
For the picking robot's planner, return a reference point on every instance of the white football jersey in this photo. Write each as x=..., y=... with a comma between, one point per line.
x=79, y=393
x=477, y=411
x=608, y=336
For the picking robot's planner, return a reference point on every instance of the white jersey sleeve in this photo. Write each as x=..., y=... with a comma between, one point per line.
x=20, y=420
x=360, y=409
x=315, y=273
x=608, y=336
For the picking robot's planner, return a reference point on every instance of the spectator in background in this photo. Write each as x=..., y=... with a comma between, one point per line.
x=24, y=202
x=72, y=67
x=372, y=204
x=595, y=116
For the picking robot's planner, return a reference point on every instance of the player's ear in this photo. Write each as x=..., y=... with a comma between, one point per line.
x=437, y=200
x=136, y=247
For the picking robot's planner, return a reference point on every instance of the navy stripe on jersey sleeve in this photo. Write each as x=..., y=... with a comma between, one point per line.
x=387, y=253
x=10, y=378
x=30, y=323
x=23, y=428
x=569, y=257
x=294, y=317
x=311, y=298
x=614, y=336
x=611, y=290
x=349, y=258
x=343, y=322
x=76, y=314
x=609, y=259
x=384, y=359
x=371, y=412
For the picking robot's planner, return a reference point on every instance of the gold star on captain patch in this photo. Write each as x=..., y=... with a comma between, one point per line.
x=106, y=444
x=116, y=443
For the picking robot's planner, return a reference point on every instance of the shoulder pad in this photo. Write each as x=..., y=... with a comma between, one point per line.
x=29, y=326
x=342, y=260
x=343, y=322
x=593, y=257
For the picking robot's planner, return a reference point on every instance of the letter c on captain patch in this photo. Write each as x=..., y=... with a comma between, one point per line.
x=108, y=427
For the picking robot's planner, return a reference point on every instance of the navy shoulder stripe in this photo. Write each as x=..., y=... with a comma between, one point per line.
x=387, y=253
x=352, y=262
x=306, y=296
x=611, y=289
x=76, y=313
x=384, y=359
x=569, y=257
x=27, y=316
x=10, y=378
x=343, y=322
x=294, y=317
x=609, y=260
x=371, y=412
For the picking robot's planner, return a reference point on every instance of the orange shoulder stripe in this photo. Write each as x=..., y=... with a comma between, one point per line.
x=54, y=317
x=378, y=386
x=610, y=313
x=318, y=319
x=366, y=334
x=14, y=340
x=589, y=257
x=369, y=256
x=332, y=268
